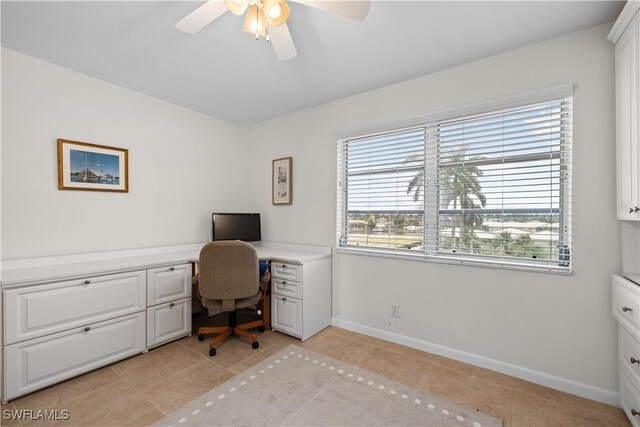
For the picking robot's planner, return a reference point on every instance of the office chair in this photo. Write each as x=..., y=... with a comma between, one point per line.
x=229, y=279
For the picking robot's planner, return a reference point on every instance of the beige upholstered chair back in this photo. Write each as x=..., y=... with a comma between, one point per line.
x=228, y=271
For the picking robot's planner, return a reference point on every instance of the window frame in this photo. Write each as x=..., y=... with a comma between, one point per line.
x=431, y=209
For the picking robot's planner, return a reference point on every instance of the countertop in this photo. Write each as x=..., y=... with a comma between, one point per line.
x=33, y=271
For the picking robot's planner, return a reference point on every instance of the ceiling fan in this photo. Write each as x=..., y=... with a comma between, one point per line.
x=268, y=18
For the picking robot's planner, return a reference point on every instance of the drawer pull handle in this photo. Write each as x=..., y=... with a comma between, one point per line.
x=171, y=268
x=625, y=309
x=172, y=304
x=284, y=265
x=636, y=209
x=86, y=282
x=634, y=412
x=87, y=329
x=284, y=299
x=633, y=360
x=630, y=210
x=284, y=282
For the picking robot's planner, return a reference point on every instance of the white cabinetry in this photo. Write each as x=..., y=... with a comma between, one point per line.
x=53, y=358
x=625, y=307
x=36, y=311
x=169, y=303
x=60, y=329
x=626, y=36
x=301, y=297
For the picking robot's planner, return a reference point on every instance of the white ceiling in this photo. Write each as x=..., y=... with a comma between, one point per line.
x=224, y=72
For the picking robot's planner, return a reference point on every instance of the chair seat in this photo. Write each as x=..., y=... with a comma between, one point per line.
x=240, y=303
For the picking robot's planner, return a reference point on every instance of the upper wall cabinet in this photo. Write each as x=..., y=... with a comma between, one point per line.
x=626, y=35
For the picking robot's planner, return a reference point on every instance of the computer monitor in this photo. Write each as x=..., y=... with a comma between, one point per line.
x=236, y=226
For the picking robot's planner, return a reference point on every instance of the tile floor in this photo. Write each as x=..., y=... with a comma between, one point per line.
x=140, y=390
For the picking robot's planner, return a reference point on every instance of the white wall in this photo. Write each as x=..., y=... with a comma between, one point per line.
x=552, y=324
x=182, y=165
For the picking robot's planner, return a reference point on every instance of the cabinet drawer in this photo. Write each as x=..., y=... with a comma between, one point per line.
x=287, y=288
x=45, y=309
x=629, y=398
x=282, y=270
x=34, y=364
x=286, y=315
x=629, y=352
x=167, y=284
x=168, y=321
x=625, y=303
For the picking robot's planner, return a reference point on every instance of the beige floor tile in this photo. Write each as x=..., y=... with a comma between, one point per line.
x=440, y=379
x=230, y=352
x=529, y=410
x=405, y=369
x=146, y=419
x=151, y=369
x=113, y=404
x=181, y=389
x=338, y=346
x=516, y=384
x=404, y=350
x=277, y=338
x=68, y=391
x=595, y=412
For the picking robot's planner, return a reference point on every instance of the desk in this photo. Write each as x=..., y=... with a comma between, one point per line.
x=113, y=305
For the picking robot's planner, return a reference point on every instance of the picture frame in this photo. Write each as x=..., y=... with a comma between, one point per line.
x=91, y=167
x=281, y=181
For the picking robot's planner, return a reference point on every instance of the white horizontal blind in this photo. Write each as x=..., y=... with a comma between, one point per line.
x=487, y=189
x=503, y=186
x=376, y=207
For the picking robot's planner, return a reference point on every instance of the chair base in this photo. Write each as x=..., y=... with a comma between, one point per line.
x=225, y=332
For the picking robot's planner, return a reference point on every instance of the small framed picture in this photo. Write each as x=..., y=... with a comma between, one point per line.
x=281, y=181
x=92, y=167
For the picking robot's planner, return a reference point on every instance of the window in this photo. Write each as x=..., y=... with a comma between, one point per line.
x=489, y=188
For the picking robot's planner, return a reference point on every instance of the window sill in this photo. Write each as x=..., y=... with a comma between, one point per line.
x=442, y=259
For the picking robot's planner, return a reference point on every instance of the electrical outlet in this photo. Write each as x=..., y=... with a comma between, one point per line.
x=395, y=310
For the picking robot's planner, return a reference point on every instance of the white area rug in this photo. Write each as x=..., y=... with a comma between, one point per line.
x=299, y=387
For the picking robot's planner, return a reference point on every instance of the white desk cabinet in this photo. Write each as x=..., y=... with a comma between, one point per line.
x=166, y=284
x=301, y=297
x=625, y=297
x=134, y=300
x=168, y=303
x=58, y=330
x=627, y=75
x=37, y=311
x=50, y=359
x=168, y=321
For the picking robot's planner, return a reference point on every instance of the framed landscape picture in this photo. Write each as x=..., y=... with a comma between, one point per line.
x=92, y=167
x=281, y=181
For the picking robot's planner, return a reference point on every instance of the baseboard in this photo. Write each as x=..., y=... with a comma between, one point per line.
x=558, y=383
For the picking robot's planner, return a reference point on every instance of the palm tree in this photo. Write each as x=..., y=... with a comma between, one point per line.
x=459, y=184
x=505, y=243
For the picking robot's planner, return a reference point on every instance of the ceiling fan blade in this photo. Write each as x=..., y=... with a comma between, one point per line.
x=357, y=9
x=202, y=16
x=282, y=42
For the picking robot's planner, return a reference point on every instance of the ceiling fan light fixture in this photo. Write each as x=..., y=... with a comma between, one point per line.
x=277, y=12
x=254, y=21
x=237, y=7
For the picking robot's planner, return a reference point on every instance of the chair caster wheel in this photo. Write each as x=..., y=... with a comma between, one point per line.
x=200, y=337
x=255, y=344
x=261, y=329
x=212, y=352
